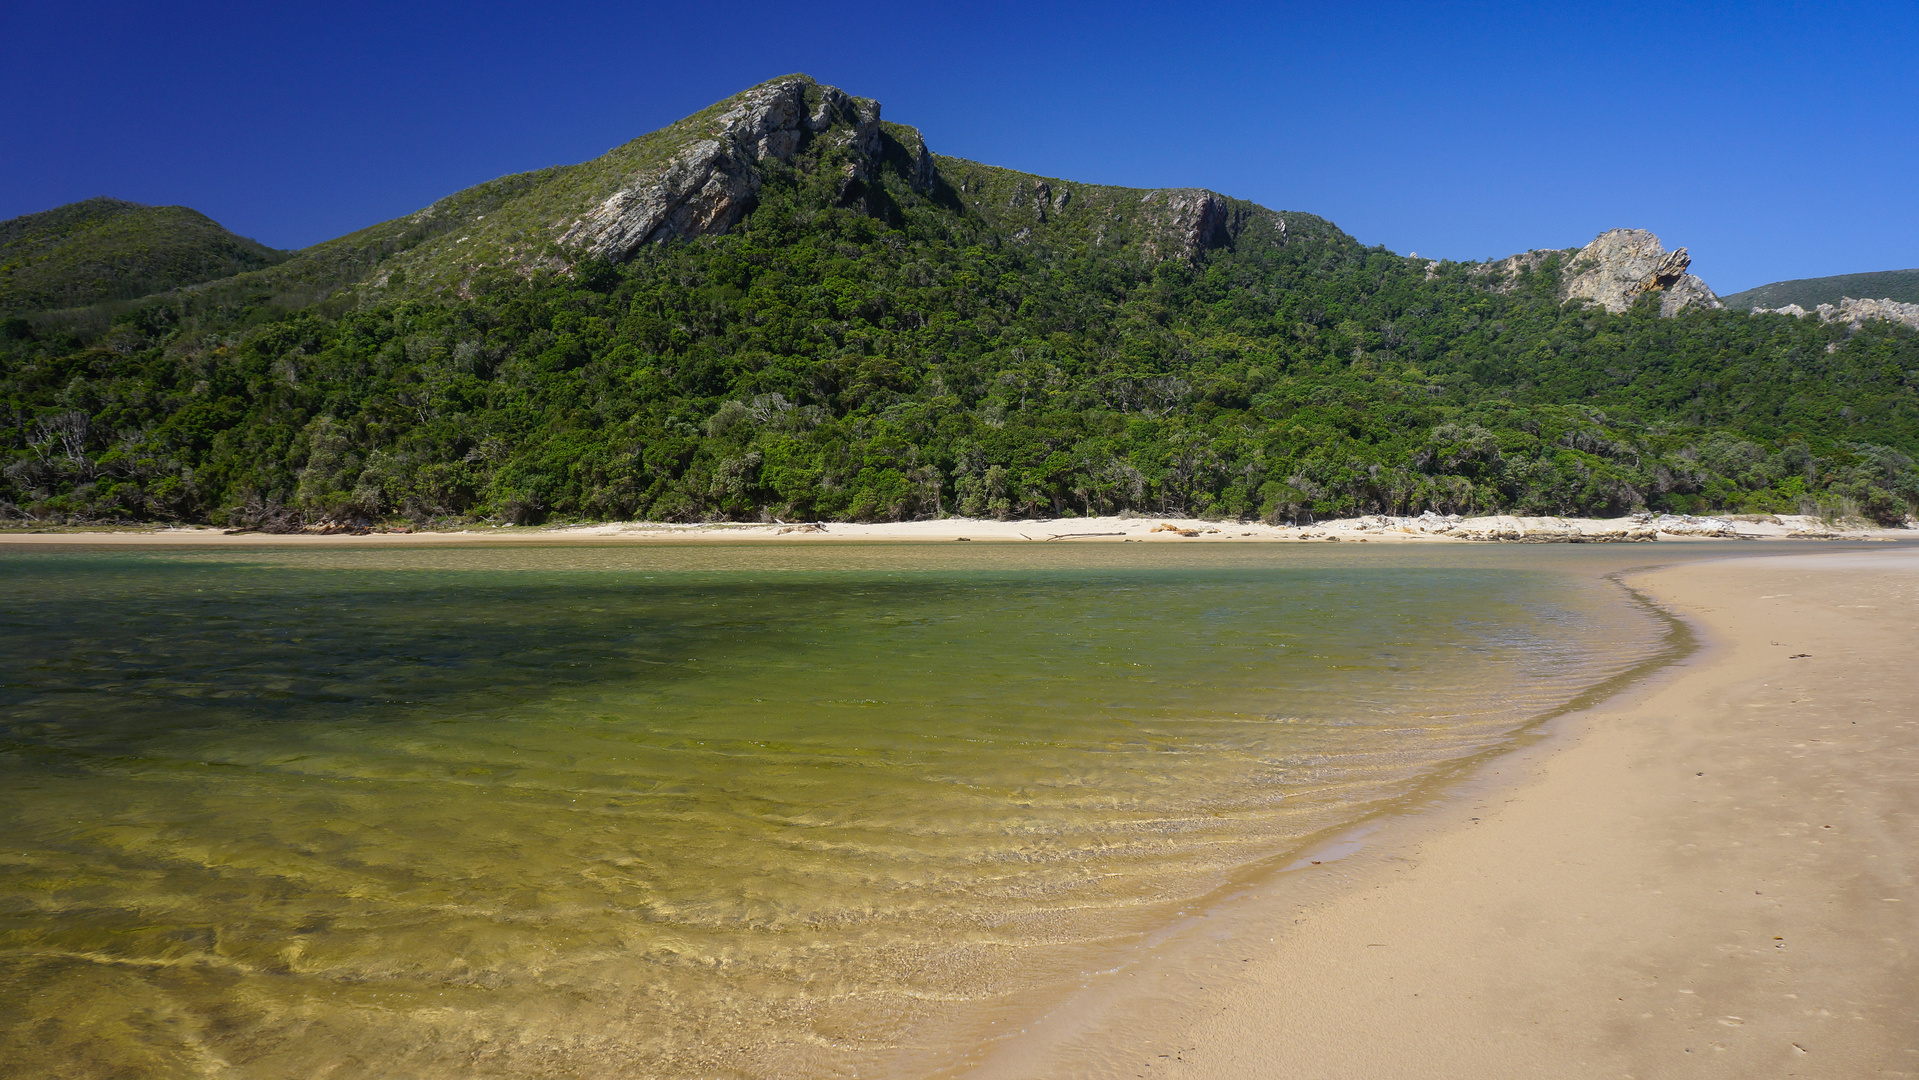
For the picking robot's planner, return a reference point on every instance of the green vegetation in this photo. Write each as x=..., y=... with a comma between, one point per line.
x=104, y=250
x=991, y=344
x=1809, y=293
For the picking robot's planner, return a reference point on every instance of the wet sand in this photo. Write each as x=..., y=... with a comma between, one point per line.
x=1709, y=875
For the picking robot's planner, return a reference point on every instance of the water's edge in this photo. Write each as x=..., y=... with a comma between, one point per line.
x=1032, y=1016
x=1262, y=887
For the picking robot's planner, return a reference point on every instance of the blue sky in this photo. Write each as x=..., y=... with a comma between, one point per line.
x=1775, y=141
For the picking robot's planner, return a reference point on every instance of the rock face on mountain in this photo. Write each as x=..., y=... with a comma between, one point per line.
x=1688, y=291
x=1614, y=270
x=711, y=184
x=1193, y=221
x=1853, y=312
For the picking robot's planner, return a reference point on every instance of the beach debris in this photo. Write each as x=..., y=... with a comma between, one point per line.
x=1800, y=656
x=964, y=539
x=809, y=527
x=1075, y=536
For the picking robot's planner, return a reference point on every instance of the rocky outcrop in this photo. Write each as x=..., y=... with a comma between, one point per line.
x=708, y=186
x=1858, y=311
x=1687, y=292
x=1614, y=271
x=1853, y=312
x=923, y=175
x=1192, y=221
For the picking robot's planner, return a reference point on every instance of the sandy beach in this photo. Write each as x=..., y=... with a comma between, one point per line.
x=1710, y=874
x=1425, y=529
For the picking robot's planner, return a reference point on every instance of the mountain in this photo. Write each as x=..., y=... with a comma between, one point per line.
x=785, y=306
x=106, y=249
x=1897, y=285
x=700, y=176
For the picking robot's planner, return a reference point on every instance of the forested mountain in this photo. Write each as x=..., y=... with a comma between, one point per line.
x=785, y=307
x=1809, y=293
x=106, y=249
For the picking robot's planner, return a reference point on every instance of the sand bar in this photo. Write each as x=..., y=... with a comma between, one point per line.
x=1712, y=874
x=1425, y=529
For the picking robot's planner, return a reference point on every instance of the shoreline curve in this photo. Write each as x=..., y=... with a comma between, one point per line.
x=1641, y=889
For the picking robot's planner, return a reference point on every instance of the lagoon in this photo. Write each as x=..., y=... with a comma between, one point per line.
x=739, y=810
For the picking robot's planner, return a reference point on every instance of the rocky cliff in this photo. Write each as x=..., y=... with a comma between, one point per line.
x=1613, y=271
x=706, y=188
x=1193, y=221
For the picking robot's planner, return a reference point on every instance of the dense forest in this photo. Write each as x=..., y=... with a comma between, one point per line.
x=889, y=354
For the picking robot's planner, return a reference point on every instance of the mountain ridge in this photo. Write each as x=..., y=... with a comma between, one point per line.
x=699, y=176
x=1901, y=286
x=542, y=220
x=823, y=319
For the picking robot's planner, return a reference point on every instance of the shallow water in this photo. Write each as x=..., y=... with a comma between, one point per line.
x=669, y=811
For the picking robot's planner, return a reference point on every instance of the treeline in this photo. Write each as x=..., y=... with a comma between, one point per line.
x=823, y=363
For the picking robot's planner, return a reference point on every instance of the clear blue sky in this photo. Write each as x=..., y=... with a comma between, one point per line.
x=1774, y=141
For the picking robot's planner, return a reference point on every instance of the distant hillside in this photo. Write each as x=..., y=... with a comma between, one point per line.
x=783, y=307
x=107, y=249
x=1808, y=293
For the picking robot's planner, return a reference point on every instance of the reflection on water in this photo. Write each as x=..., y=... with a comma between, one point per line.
x=691, y=811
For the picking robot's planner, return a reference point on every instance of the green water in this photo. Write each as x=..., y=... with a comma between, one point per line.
x=662, y=811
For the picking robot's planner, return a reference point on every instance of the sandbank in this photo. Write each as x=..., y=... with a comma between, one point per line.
x=1709, y=874
x=1425, y=529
